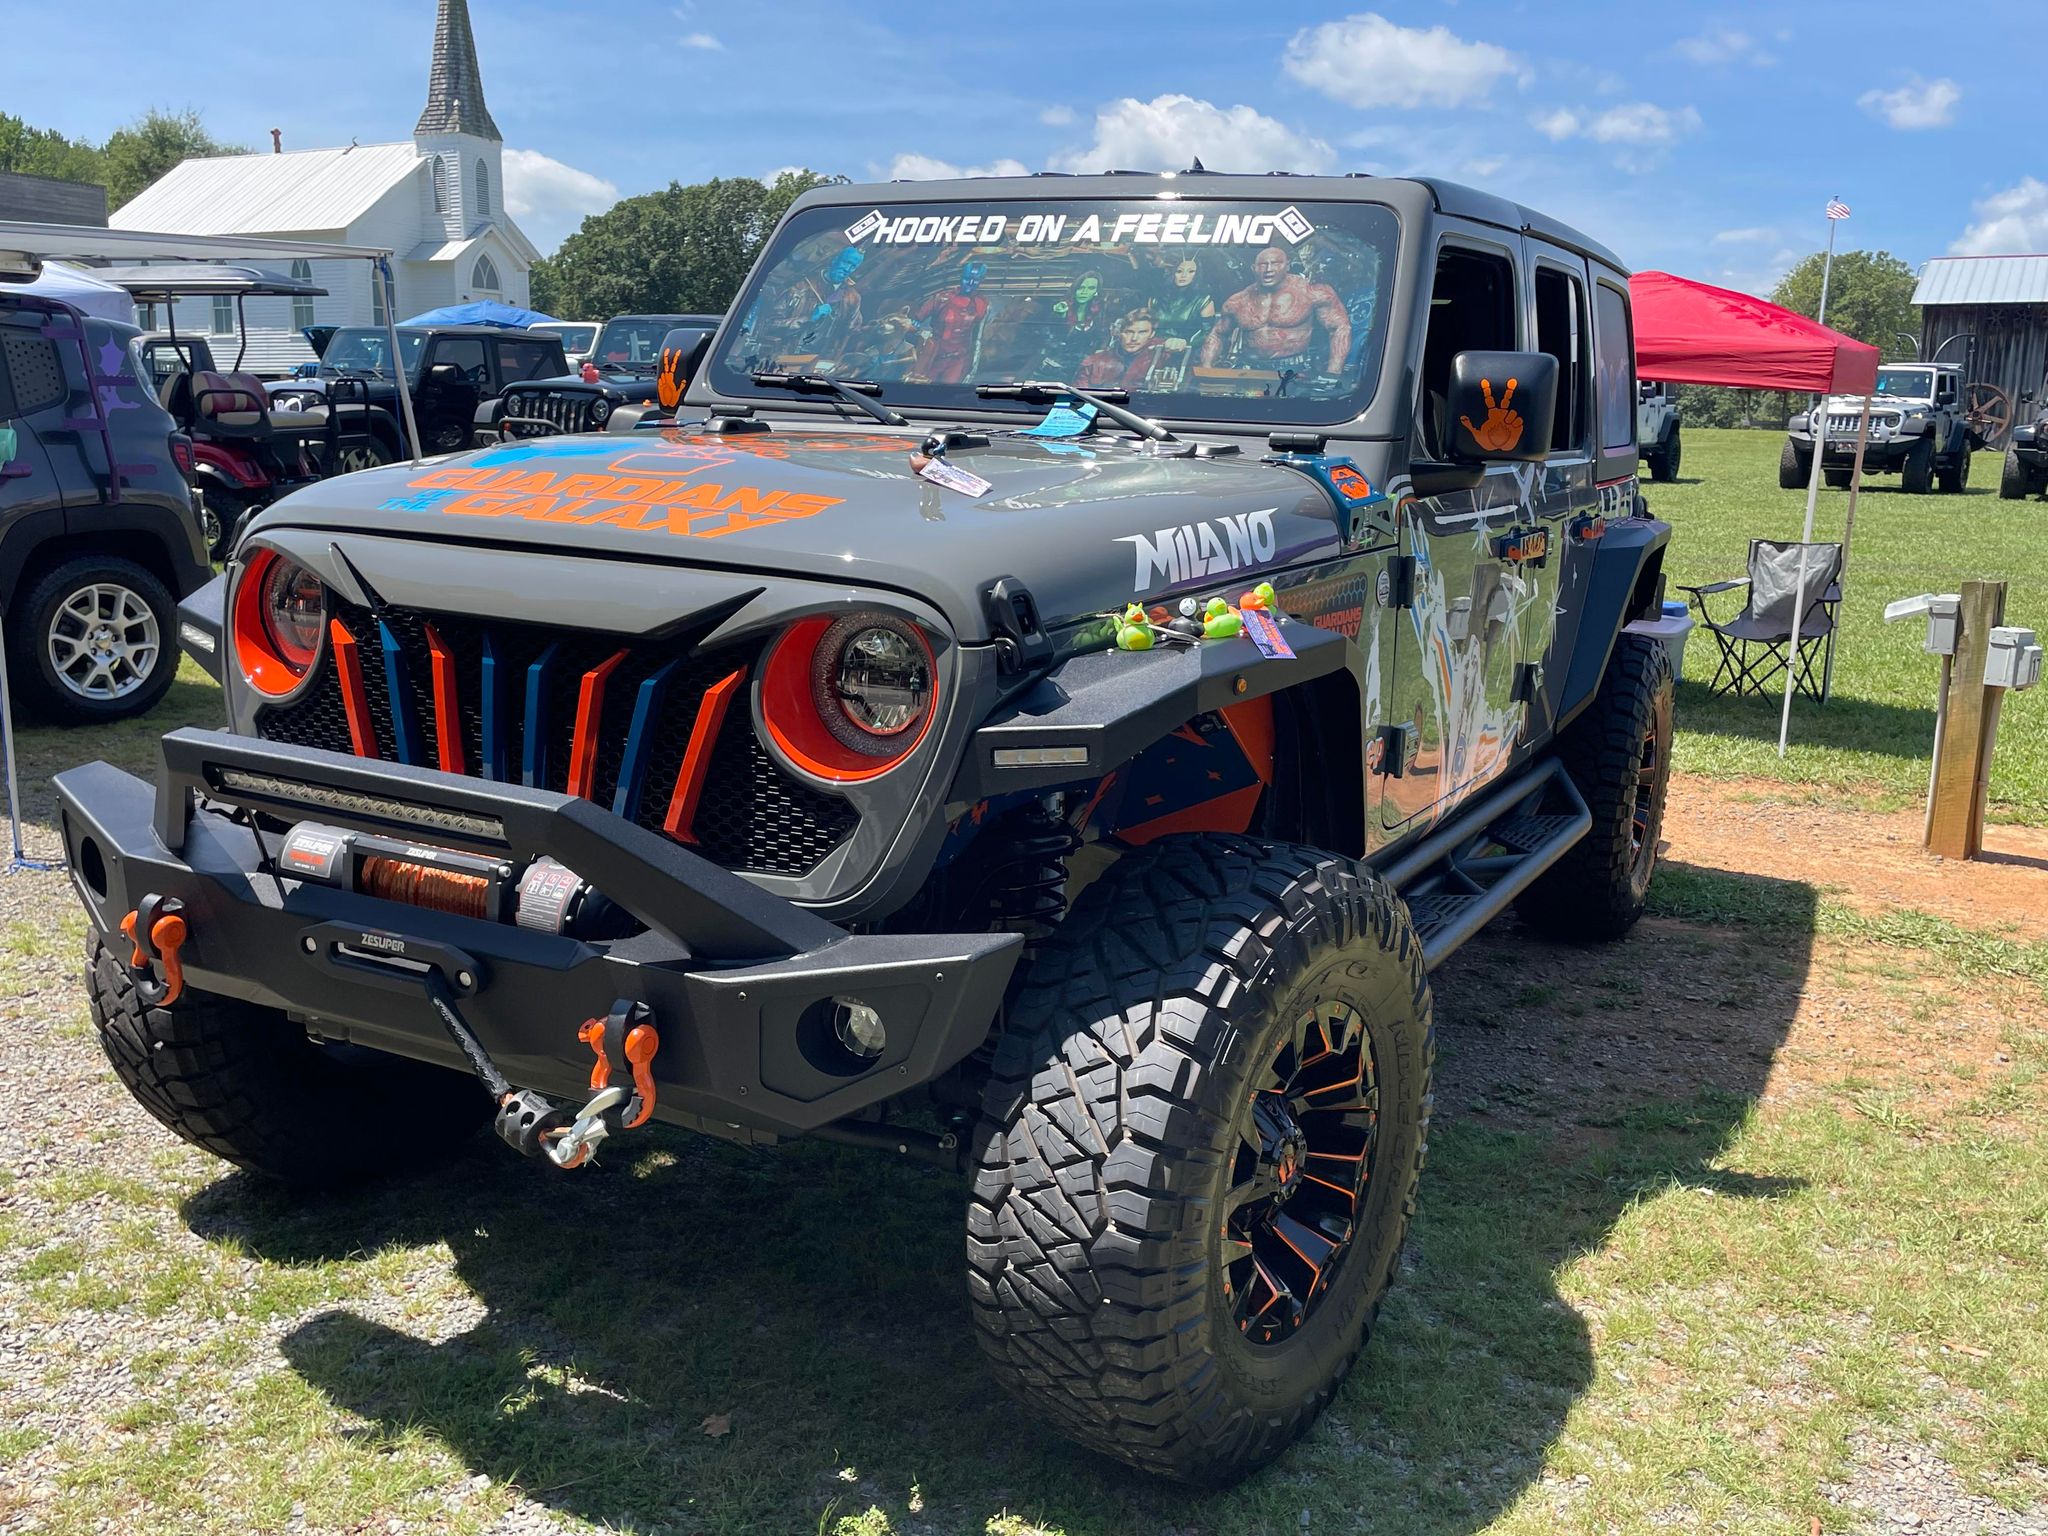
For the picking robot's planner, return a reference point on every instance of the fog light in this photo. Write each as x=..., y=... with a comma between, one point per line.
x=859, y=1028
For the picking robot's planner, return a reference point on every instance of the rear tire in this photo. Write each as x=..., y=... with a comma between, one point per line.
x=1113, y=1247
x=1916, y=475
x=96, y=641
x=1794, y=467
x=1619, y=755
x=1664, y=461
x=2012, y=480
x=246, y=1084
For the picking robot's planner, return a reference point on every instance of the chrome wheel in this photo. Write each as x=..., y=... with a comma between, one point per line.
x=104, y=642
x=358, y=456
x=209, y=525
x=1304, y=1158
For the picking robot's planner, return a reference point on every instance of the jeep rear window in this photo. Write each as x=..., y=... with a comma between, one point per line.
x=1202, y=308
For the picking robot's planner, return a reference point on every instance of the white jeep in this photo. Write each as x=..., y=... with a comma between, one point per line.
x=1918, y=431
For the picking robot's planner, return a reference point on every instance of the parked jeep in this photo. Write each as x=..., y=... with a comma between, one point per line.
x=638, y=368
x=99, y=537
x=2026, y=456
x=450, y=369
x=1046, y=713
x=1918, y=431
x=1657, y=430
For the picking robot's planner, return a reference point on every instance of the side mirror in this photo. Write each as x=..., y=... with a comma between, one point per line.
x=1647, y=391
x=1501, y=407
x=444, y=373
x=682, y=354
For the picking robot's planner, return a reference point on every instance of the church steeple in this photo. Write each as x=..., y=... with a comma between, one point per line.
x=455, y=86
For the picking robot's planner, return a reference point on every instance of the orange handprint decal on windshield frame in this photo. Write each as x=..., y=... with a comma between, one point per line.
x=1502, y=428
x=669, y=387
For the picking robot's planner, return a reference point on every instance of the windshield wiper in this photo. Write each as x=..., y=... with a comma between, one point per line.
x=852, y=391
x=1107, y=402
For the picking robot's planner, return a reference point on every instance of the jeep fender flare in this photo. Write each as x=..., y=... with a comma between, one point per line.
x=1626, y=583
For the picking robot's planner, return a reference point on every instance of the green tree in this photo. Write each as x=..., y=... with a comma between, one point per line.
x=682, y=250
x=45, y=152
x=1870, y=296
x=151, y=145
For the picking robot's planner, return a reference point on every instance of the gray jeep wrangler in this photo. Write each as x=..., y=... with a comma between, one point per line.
x=1919, y=431
x=1090, y=648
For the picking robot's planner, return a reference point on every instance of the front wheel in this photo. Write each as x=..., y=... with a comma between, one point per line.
x=1916, y=475
x=2012, y=480
x=94, y=642
x=1665, y=460
x=1954, y=478
x=1793, y=467
x=1199, y=1152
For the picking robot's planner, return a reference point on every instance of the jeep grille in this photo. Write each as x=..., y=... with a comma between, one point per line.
x=562, y=410
x=752, y=815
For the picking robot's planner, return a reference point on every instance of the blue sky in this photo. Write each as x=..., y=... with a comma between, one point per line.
x=1698, y=138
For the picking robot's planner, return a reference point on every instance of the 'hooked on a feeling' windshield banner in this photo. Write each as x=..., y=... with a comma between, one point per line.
x=876, y=227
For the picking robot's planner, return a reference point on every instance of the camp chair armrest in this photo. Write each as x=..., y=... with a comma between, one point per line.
x=1717, y=586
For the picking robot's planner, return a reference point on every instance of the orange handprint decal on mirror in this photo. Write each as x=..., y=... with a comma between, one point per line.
x=669, y=388
x=1502, y=429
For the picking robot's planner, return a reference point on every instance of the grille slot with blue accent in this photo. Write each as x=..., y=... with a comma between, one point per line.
x=517, y=690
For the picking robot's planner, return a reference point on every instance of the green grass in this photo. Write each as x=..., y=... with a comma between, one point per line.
x=1873, y=738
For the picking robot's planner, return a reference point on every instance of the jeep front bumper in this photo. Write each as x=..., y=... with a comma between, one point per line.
x=738, y=980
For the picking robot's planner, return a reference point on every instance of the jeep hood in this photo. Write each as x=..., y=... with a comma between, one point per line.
x=1086, y=525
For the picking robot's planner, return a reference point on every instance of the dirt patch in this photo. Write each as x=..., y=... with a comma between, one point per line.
x=1750, y=826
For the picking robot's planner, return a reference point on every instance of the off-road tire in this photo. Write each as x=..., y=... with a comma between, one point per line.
x=2012, y=479
x=1598, y=889
x=31, y=670
x=1665, y=459
x=246, y=1084
x=1793, y=467
x=1108, y=1139
x=1916, y=475
x=1836, y=479
x=1954, y=478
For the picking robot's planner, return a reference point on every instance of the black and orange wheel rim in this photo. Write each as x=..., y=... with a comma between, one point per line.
x=1299, y=1173
x=1653, y=767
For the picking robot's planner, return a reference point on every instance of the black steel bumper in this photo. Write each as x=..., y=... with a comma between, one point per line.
x=739, y=981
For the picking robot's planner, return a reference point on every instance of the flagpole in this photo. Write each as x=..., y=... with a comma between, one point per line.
x=1820, y=438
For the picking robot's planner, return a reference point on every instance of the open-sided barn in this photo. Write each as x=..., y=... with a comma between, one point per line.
x=2001, y=304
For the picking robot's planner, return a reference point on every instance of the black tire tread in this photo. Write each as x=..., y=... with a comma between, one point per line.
x=2012, y=478
x=48, y=700
x=1791, y=473
x=244, y=1083
x=1588, y=894
x=1088, y=1265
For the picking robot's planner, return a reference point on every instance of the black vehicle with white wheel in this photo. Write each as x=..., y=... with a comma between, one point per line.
x=99, y=532
x=2025, y=470
x=970, y=728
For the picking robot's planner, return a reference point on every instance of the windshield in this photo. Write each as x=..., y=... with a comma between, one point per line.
x=1198, y=307
x=634, y=341
x=365, y=351
x=1912, y=383
x=575, y=338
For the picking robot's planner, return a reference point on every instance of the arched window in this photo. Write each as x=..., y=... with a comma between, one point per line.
x=440, y=185
x=484, y=276
x=302, y=304
x=483, y=187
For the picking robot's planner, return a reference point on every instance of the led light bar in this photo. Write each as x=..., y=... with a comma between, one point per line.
x=268, y=786
x=1040, y=757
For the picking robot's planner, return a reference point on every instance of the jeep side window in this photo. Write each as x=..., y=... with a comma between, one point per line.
x=1945, y=392
x=35, y=378
x=1471, y=309
x=1561, y=330
x=1615, y=355
x=466, y=353
x=526, y=360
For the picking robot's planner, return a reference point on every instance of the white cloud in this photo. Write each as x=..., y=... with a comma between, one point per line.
x=1056, y=115
x=2012, y=222
x=1484, y=167
x=913, y=167
x=702, y=40
x=549, y=198
x=1758, y=235
x=1171, y=132
x=1367, y=60
x=1916, y=104
x=1638, y=123
x=1723, y=45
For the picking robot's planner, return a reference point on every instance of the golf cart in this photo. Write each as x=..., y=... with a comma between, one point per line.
x=247, y=450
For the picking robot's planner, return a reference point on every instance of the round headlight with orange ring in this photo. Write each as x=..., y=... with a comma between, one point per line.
x=280, y=623
x=847, y=698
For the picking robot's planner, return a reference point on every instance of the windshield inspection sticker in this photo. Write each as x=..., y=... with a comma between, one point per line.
x=1067, y=419
x=939, y=472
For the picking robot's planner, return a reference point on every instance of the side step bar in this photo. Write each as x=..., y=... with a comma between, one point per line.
x=1461, y=876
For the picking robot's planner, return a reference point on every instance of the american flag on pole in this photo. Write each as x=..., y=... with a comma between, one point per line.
x=1837, y=209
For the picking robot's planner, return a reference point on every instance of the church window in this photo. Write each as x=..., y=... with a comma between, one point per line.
x=483, y=187
x=440, y=185
x=484, y=275
x=302, y=304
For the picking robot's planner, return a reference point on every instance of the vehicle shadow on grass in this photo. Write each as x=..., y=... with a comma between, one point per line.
x=813, y=1297
x=1843, y=723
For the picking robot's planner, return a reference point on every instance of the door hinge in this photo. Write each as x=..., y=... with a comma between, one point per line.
x=1021, y=640
x=1393, y=748
x=1397, y=582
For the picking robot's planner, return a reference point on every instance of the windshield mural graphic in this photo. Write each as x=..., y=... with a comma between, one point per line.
x=1196, y=308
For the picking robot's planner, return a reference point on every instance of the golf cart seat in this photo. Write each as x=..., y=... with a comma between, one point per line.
x=233, y=404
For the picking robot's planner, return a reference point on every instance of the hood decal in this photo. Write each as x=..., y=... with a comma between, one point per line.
x=1214, y=547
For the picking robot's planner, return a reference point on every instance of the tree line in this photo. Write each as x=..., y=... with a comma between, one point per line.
x=130, y=159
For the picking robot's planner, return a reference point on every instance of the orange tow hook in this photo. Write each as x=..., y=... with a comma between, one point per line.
x=627, y=1031
x=156, y=931
x=641, y=1044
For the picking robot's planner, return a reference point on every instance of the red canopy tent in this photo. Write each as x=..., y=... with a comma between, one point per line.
x=1693, y=333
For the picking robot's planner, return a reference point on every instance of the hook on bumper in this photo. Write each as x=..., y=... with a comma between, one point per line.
x=157, y=931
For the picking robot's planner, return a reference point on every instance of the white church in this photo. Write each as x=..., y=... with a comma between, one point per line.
x=436, y=201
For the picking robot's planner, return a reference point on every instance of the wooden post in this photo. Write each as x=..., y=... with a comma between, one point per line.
x=1955, y=821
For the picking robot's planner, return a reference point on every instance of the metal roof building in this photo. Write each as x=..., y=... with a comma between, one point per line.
x=1989, y=313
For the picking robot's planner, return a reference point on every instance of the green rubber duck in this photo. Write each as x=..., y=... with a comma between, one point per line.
x=1221, y=626
x=1135, y=632
x=1217, y=608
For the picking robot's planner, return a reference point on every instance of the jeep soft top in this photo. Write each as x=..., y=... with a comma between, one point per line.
x=1086, y=648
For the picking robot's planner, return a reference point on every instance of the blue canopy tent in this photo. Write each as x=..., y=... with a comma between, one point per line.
x=479, y=312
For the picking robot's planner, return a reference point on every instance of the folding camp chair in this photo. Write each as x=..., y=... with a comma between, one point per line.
x=1753, y=641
